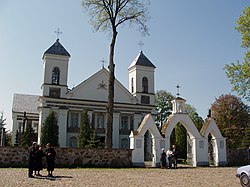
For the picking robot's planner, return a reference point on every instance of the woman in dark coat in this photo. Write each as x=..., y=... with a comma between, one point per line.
x=163, y=159
x=50, y=156
x=32, y=151
x=39, y=154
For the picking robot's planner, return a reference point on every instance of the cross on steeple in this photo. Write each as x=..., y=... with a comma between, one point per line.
x=58, y=33
x=141, y=44
x=103, y=61
x=178, y=90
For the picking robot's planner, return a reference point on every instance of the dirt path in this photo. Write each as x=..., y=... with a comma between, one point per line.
x=193, y=177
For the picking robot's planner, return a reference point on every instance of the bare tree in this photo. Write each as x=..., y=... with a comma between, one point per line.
x=107, y=16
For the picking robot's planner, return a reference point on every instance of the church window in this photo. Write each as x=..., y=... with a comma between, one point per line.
x=55, y=75
x=145, y=99
x=124, y=122
x=100, y=121
x=54, y=92
x=74, y=119
x=35, y=126
x=20, y=126
x=132, y=85
x=145, y=85
x=73, y=141
x=124, y=143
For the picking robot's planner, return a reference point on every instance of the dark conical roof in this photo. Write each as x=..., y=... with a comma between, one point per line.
x=142, y=60
x=57, y=49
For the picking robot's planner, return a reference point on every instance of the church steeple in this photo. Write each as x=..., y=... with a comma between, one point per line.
x=141, y=79
x=57, y=49
x=178, y=103
x=55, y=68
x=142, y=60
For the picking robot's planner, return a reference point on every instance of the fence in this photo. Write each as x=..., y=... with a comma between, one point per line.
x=70, y=157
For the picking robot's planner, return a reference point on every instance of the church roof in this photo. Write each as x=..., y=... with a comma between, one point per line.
x=142, y=60
x=57, y=49
x=25, y=103
x=179, y=99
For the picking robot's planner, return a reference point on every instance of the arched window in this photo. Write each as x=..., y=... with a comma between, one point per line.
x=145, y=85
x=124, y=143
x=55, y=75
x=73, y=141
x=132, y=85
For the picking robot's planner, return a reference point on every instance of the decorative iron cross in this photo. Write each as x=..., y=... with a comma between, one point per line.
x=141, y=44
x=102, y=86
x=178, y=90
x=58, y=33
x=103, y=61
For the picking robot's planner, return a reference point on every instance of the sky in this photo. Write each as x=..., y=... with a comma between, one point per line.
x=190, y=43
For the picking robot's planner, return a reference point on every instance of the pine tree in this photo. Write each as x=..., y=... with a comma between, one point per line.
x=94, y=141
x=28, y=136
x=49, y=133
x=2, y=122
x=85, y=130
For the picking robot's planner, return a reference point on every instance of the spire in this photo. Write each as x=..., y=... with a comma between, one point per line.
x=142, y=60
x=57, y=49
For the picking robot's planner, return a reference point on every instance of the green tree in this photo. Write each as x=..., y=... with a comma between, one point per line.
x=29, y=135
x=107, y=16
x=85, y=130
x=50, y=130
x=181, y=132
x=239, y=73
x=94, y=142
x=192, y=112
x=232, y=117
x=163, y=106
x=246, y=137
x=8, y=139
x=181, y=140
x=2, y=122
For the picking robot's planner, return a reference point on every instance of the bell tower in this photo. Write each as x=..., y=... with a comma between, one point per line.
x=141, y=79
x=55, y=71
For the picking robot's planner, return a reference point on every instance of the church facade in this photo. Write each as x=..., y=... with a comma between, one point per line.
x=130, y=105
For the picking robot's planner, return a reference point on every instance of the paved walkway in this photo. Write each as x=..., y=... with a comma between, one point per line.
x=193, y=177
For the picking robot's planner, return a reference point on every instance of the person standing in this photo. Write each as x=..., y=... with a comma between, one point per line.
x=170, y=157
x=32, y=156
x=175, y=156
x=50, y=157
x=39, y=154
x=163, y=159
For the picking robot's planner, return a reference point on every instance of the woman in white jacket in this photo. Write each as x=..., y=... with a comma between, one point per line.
x=169, y=156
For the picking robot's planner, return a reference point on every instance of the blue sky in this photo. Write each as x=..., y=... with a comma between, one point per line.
x=190, y=42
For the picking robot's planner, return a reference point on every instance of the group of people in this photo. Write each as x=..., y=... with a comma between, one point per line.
x=171, y=155
x=36, y=155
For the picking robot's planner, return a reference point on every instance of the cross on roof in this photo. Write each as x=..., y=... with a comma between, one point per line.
x=178, y=90
x=58, y=33
x=141, y=44
x=103, y=61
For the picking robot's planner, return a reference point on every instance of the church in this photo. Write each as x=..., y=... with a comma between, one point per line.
x=130, y=105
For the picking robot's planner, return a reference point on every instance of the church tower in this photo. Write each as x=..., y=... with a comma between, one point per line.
x=141, y=79
x=55, y=71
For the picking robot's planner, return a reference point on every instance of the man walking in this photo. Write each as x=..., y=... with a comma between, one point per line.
x=175, y=156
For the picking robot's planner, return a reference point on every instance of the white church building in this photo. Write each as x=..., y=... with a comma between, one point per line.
x=130, y=105
x=133, y=117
